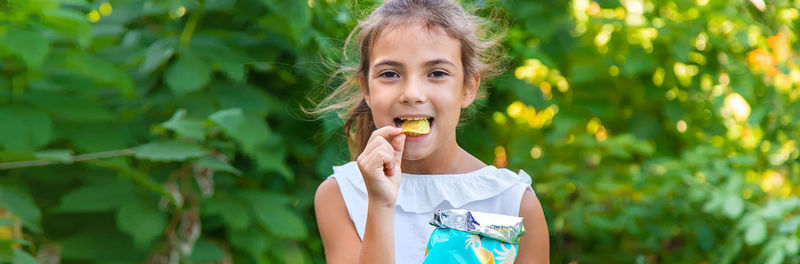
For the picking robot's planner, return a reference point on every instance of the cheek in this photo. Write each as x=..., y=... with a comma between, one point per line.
x=377, y=97
x=450, y=102
x=449, y=114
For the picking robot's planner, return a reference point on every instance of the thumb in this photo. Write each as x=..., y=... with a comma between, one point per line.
x=398, y=143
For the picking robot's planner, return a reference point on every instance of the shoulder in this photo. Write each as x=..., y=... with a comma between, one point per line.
x=349, y=178
x=339, y=237
x=534, y=246
x=328, y=199
x=328, y=191
x=530, y=205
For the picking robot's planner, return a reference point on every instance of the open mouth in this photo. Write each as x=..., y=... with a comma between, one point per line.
x=414, y=126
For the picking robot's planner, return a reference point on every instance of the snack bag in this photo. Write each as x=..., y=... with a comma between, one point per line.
x=466, y=237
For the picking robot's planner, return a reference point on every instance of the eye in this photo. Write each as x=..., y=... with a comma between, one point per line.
x=438, y=74
x=389, y=74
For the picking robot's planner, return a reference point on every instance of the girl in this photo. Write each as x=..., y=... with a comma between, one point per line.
x=421, y=63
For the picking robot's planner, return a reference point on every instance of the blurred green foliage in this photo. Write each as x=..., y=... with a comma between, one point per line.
x=168, y=131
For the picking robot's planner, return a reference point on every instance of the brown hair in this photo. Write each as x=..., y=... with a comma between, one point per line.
x=479, y=56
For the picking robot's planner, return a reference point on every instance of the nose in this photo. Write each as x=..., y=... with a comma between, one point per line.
x=412, y=92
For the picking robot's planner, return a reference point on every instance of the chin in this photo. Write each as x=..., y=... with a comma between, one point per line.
x=414, y=154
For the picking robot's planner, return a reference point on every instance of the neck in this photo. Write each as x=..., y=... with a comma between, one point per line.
x=449, y=159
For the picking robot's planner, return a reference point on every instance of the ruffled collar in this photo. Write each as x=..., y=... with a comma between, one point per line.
x=423, y=193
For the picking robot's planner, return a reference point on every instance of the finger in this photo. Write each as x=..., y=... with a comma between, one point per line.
x=371, y=145
x=388, y=163
x=398, y=144
x=381, y=155
x=386, y=132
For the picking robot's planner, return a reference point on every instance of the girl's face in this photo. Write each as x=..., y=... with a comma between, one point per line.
x=417, y=72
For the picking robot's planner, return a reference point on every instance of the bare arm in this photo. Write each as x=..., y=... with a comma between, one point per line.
x=339, y=236
x=378, y=245
x=379, y=164
x=534, y=246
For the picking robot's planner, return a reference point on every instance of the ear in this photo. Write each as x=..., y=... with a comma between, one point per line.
x=364, y=89
x=470, y=91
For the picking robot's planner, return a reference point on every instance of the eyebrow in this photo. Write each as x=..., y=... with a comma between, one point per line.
x=427, y=64
x=439, y=61
x=388, y=63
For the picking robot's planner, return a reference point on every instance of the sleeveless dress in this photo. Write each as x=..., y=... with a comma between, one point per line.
x=488, y=189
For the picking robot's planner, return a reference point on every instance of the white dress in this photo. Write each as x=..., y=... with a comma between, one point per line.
x=488, y=189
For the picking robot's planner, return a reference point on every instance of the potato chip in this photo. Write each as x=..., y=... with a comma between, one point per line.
x=416, y=127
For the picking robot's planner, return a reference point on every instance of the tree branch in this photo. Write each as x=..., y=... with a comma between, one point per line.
x=76, y=158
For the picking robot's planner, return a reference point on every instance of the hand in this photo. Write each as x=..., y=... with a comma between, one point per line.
x=379, y=164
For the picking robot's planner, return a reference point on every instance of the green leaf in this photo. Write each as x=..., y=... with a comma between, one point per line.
x=30, y=46
x=250, y=240
x=70, y=108
x=756, y=233
x=271, y=212
x=98, y=242
x=6, y=250
x=142, y=179
x=96, y=198
x=797, y=233
x=293, y=254
x=743, y=83
x=100, y=137
x=20, y=203
x=22, y=257
x=157, y=54
x=62, y=155
x=7, y=222
x=705, y=237
x=254, y=139
x=587, y=71
x=24, y=129
x=168, y=151
x=81, y=3
x=216, y=165
x=255, y=133
x=206, y=251
x=102, y=71
x=789, y=225
x=298, y=16
x=772, y=211
x=197, y=105
x=675, y=110
x=734, y=206
x=227, y=60
x=638, y=62
x=776, y=257
x=792, y=246
x=233, y=212
x=283, y=223
x=187, y=128
x=228, y=119
x=187, y=74
x=69, y=22
x=240, y=95
x=141, y=221
x=15, y=156
x=264, y=198
x=270, y=156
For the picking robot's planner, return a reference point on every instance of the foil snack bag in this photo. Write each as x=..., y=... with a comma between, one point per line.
x=467, y=237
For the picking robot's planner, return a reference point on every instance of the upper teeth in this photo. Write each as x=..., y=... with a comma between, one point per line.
x=413, y=118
